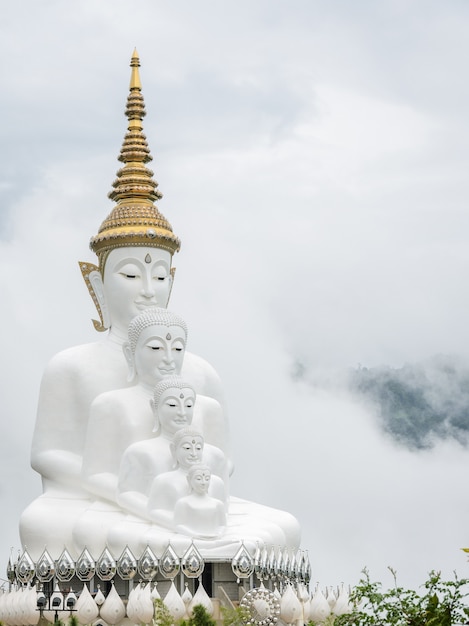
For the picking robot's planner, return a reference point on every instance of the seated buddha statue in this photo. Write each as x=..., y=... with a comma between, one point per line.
x=92, y=526
x=198, y=514
x=154, y=351
x=187, y=448
x=150, y=486
x=145, y=460
x=134, y=245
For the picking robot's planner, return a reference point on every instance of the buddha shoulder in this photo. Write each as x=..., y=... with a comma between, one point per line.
x=202, y=376
x=86, y=361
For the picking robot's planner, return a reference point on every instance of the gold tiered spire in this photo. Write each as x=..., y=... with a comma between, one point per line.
x=135, y=220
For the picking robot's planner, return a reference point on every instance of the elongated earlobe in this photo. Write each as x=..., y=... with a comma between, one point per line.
x=171, y=279
x=172, y=449
x=94, y=283
x=156, y=426
x=129, y=357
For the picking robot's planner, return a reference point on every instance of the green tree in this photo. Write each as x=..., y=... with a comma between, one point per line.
x=441, y=603
x=234, y=617
x=200, y=617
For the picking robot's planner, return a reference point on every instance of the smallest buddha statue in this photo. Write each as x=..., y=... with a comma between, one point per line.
x=199, y=514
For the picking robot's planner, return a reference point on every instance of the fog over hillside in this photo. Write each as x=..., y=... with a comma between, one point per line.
x=419, y=403
x=416, y=405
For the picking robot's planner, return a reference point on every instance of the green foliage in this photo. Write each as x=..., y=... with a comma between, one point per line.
x=329, y=621
x=441, y=603
x=200, y=617
x=234, y=617
x=162, y=616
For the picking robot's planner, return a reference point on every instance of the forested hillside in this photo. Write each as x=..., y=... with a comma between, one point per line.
x=419, y=403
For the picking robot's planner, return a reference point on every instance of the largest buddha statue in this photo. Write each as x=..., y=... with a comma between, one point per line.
x=134, y=245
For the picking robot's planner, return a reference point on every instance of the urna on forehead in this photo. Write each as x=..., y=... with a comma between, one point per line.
x=140, y=255
x=154, y=316
x=187, y=433
x=199, y=467
x=172, y=382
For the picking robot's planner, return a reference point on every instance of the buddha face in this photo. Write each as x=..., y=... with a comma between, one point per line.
x=200, y=480
x=175, y=409
x=189, y=451
x=159, y=352
x=135, y=278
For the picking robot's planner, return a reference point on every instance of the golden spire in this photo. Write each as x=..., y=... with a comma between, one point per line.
x=135, y=76
x=135, y=220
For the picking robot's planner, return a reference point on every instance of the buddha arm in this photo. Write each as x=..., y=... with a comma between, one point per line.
x=101, y=453
x=103, y=485
x=132, y=482
x=218, y=489
x=134, y=502
x=161, y=501
x=183, y=513
x=203, y=377
x=58, y=438
x=162, y=518
x=210, y=418
x=191, y=519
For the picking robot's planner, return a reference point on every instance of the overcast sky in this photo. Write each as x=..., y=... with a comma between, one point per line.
x=313, y=157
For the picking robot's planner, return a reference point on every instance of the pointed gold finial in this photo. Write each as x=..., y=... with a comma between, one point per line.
x=135, y=220
x=135, y=75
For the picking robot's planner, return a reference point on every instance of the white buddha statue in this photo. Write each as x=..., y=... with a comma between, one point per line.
x=199, y=514
x=150, y=487
x=135, y=245
x=155, y=350
x=167, y=489
x=145, y=460
x=92, y=527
